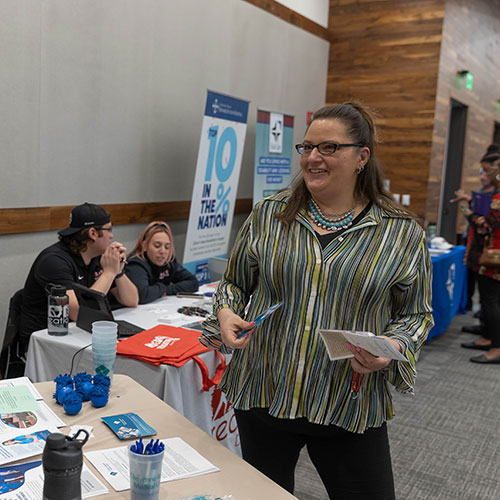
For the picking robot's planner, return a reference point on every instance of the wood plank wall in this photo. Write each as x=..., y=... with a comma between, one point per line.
x=34, y=219
x=471, y=41
x=386, y=54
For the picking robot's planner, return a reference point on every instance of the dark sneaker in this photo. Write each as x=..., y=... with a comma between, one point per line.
x=477, y=329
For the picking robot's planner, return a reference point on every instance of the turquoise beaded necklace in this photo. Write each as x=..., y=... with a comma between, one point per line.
x=330, y=222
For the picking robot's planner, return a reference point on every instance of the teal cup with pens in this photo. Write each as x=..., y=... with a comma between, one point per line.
x=145, y=471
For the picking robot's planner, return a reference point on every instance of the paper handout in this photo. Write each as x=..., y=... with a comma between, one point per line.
x=179, y=461
x=335, y=342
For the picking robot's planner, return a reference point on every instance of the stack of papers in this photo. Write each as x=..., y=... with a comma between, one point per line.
x=25, y=482
x=22, y=381
x=335, y=342
x=25, y=423
x=179, y=462
x=436, y=252
x=25, y=420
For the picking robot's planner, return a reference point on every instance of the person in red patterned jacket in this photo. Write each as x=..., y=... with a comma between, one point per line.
x=475, y=235
x=489, y=276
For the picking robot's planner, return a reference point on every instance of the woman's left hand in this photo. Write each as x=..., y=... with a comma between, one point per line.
x=365, y=362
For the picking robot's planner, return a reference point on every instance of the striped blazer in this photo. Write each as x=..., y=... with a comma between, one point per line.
x=376, y=277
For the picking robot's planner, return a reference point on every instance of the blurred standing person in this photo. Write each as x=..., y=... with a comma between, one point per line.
x=475, y=235
x=489, y=275
x=340, y=254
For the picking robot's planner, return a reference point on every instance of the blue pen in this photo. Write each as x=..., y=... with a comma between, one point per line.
x=261, y=317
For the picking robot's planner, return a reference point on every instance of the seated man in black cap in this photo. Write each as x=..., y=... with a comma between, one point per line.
x=84, y=254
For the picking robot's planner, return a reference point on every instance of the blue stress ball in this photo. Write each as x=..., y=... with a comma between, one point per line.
x=65, y=379
x=102, y=380
x=72, y=402
x=61, y=392
x=99, y=396
x=86, y=390
x=82, y=377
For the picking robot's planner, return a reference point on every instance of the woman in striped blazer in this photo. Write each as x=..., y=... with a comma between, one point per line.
x=339, y=254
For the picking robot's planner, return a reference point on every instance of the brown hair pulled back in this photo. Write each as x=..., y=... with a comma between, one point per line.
x=359, y=121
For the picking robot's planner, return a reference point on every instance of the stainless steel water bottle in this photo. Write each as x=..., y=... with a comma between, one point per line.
x=62, y=462
x=58, y=310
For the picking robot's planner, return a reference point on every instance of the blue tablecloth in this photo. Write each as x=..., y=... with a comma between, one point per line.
x=449, y=289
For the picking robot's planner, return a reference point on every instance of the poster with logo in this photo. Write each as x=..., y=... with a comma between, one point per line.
x=216, y=182
x=273, y=153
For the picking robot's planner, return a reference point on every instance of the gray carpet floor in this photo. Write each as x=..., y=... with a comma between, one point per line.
x=445, y=440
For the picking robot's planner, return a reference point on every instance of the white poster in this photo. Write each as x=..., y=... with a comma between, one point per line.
x=216, y=182
x=276, y=133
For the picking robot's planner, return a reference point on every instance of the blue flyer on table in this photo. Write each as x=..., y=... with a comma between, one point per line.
x=128, y=426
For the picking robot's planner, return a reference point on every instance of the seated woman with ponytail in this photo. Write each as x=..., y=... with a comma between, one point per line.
x=153, y=268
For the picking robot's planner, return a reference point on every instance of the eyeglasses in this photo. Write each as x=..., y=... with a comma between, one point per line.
x=110, y=229
x=326, y=148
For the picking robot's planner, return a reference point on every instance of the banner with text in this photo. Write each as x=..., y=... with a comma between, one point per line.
x=273, y=153
x=216, y=182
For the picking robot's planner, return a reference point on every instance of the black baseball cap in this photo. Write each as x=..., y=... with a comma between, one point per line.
x=85, y=215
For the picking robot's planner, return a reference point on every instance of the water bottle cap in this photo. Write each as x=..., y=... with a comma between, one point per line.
x=58, y=290
x=56, y=441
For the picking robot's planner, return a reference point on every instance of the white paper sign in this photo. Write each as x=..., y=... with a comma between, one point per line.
x=276, y=124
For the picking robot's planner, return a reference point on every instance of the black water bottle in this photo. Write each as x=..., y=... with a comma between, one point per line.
x=58, y=310
x=62, y=461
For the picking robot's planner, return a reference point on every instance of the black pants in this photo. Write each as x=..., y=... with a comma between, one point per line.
x=351, y=466
x=471, y=286
x=489, y=295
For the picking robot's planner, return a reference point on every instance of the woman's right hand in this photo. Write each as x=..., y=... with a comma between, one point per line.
x=231, y=326
x=461, y=195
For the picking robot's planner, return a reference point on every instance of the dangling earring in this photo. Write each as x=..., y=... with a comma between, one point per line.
x=360, y=169
x=497, y=177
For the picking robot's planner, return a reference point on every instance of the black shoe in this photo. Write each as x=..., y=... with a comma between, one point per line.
x=473, y=345
x=485, y=361
x=477, y=329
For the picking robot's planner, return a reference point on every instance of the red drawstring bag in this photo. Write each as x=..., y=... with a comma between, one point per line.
x=170, y=345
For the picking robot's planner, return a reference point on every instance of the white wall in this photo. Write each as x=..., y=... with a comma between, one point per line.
x=315, y=10
x=102, y=101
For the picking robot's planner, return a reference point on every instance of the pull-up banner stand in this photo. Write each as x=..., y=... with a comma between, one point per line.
x=216, y=182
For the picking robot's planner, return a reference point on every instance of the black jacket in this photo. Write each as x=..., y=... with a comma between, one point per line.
x=153, y=282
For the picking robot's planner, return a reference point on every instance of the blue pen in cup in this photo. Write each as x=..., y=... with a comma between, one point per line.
x=145, y=464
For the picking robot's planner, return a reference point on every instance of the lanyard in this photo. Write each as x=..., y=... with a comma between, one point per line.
x=356, y=382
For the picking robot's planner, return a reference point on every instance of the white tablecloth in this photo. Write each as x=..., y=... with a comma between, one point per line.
x=49, y=356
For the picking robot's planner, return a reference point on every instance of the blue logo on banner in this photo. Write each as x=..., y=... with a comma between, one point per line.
x=202, y=272
x=226, y=108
